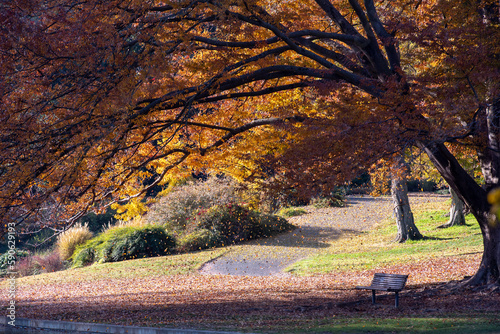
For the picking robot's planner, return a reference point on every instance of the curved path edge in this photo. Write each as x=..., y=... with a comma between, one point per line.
x=22, y=325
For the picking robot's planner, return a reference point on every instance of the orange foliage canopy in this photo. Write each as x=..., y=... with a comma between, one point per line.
x=103, y=99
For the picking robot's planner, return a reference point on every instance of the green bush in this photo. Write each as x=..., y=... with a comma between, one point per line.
x=197, y=240
x=272, y=225
x=291, y=212
x=232, y=223
x=123, y=243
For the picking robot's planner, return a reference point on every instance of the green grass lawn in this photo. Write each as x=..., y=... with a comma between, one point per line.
x=473, y=323
x=377, y=249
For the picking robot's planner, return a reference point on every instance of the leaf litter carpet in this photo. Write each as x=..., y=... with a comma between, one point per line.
x=258, y=301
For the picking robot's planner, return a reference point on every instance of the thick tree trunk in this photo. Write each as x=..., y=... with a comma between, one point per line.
x=402, y=211
x=472, y=194
x=457, y=216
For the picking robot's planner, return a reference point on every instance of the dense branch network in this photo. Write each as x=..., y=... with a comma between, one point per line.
x=99, y=96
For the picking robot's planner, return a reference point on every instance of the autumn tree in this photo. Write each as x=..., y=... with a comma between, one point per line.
x=98, y=96
x=390, y=175
x=423, y=168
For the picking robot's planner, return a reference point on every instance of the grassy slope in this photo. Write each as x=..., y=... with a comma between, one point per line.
x=182, y=264
x=373, y=249
x=368, y=250
x=376, y=249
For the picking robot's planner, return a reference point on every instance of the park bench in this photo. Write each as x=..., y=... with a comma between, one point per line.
x=386, y=282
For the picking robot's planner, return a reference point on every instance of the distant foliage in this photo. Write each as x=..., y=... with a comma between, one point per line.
x=123, y=243
x=421, y=185
x=335, y=198
x=174, y=210
x=69, y=239
x=95, y=222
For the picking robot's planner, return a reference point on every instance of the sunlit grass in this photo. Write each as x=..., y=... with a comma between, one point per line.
x=376, y=248
x=451, y=323
x=291, y=212
x=474, y=323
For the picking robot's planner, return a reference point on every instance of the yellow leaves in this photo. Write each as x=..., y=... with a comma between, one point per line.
x=134, y=208
x=494, y=200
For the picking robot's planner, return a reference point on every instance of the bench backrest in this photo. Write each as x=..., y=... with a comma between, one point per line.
x=389, y=281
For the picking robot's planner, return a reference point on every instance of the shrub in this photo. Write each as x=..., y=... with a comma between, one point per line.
x=291, y=212
x=123, y=243
x=40, y=263
x=232, y=223
x=272, y=225
x=335, y=198
x=6, y=259
x=49, y=262
x=174, y=210
x=27, y=266
x=197, y=240
x=69, y=239
x=320, y=202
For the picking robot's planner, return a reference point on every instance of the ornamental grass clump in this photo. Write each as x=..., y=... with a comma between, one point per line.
x=71, y=238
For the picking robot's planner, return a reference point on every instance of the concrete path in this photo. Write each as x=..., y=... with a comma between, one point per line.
x=269, y=257
x=37, y=326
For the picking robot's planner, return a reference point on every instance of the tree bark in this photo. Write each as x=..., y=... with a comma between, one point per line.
x=457, y=216
x=472, y=194
x=402, y=211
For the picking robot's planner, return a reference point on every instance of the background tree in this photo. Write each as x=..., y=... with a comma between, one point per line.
x=422, y=167
x=93, y=92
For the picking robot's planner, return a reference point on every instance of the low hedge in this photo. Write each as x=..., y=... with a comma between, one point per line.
x=124, y=243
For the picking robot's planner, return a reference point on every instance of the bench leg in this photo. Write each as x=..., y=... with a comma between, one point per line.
x=397, y=299
x=373, y=297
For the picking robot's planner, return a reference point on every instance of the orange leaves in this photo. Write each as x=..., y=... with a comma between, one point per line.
x=95, y=94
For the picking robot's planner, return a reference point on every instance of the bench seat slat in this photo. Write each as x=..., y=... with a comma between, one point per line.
x=386, y=282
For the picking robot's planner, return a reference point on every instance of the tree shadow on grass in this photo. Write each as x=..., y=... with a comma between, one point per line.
x=425, y=238
x=306, y=237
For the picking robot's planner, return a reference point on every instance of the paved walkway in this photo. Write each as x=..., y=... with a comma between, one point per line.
x=269, y=257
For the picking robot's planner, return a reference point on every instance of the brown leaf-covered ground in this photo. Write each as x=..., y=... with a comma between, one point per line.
x=251, y=303
x=235, y=302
